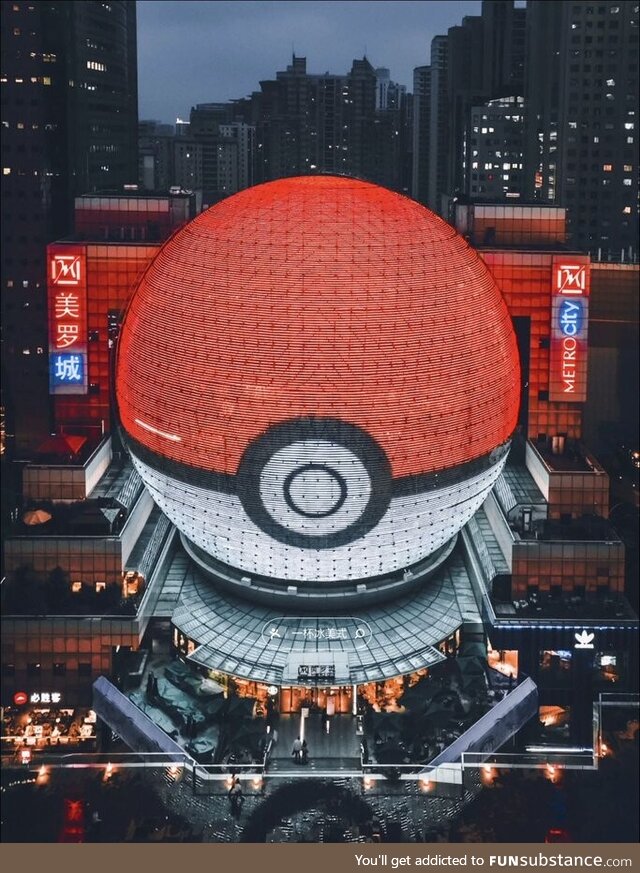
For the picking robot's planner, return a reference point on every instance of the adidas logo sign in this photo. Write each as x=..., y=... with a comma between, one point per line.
x=584, y=640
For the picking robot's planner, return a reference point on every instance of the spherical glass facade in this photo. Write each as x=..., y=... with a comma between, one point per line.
x=317, y=379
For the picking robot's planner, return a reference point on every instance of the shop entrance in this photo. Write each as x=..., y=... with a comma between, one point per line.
x=335, y=700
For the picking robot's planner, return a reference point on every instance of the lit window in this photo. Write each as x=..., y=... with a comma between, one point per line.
x=629, y=125
x=627, y=210
x=611, y=82
x=607, y=168
x=628, y=168
x=6, y=171
x=626, y=182
x=46, y=80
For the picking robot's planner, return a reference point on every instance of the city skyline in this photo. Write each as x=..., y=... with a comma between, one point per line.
x=395, y=35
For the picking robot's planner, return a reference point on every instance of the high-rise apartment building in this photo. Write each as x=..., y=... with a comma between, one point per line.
x=421, y=139
x=493, y=155
x=478, y=61
x=69, y=117
x=355, y=123
x=582, y=120
x=155, y=151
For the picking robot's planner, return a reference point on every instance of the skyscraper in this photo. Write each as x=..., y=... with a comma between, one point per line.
x=69, y=116
x=582, y=120
x=481, y=59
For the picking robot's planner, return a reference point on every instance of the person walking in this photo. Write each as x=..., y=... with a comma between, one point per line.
x=304, y=752
x=296, y=751
x=236, y=798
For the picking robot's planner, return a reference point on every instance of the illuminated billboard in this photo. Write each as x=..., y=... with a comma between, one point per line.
x=569, y=325
x=331, y=395
x=67, y=294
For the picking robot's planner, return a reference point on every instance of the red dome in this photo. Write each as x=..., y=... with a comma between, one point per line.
x=318, y=296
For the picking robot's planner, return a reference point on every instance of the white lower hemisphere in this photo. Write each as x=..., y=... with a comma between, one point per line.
x=413, y=527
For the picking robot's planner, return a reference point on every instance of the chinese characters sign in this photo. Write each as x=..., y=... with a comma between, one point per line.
x=314, y=672
x=67, y=287
x=569, y=320
x=21, y=697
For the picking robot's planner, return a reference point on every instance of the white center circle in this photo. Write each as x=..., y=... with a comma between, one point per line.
x=315, y=487
x=315, y=491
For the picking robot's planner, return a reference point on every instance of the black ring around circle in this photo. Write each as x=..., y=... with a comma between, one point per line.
x=325, y=469
x=351, y=437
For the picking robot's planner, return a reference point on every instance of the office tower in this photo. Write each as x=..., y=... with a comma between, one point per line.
x=582, y=121
x=69, y=116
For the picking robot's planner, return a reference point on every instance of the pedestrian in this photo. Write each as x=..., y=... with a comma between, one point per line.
x=236, y=798
x=304, y=752
x=296, y=751
x=96, y=822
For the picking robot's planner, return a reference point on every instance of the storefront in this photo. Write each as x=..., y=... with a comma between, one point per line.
x=47, y=728
x=570, y=665
x=314, y=693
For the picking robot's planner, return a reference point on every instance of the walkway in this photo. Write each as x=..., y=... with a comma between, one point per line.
x=337, y=750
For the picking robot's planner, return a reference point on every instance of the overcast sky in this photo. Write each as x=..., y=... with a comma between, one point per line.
x=206, y=52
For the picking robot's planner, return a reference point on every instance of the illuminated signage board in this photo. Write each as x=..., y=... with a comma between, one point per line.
x=583, y=640
x=45, y=697
x=569, y=322
x=67, y=292
x=314, y=672
x=21, y=697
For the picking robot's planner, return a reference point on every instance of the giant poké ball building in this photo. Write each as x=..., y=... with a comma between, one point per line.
x=317, y=380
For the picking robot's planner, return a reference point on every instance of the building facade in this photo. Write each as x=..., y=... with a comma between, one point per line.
x=582, y=122
x=515, y=555
x=69, y=115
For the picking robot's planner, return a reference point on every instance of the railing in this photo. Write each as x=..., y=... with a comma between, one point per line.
x=129, y=492
x=154, y=547
x=578, y=759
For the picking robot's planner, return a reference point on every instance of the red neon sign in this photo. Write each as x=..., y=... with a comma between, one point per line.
x=20, y=698
x=569, y=325
x=67, y=286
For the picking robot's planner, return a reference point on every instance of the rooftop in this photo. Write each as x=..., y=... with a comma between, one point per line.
x=572, y=608
x=263, y=644
x=573, y=458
